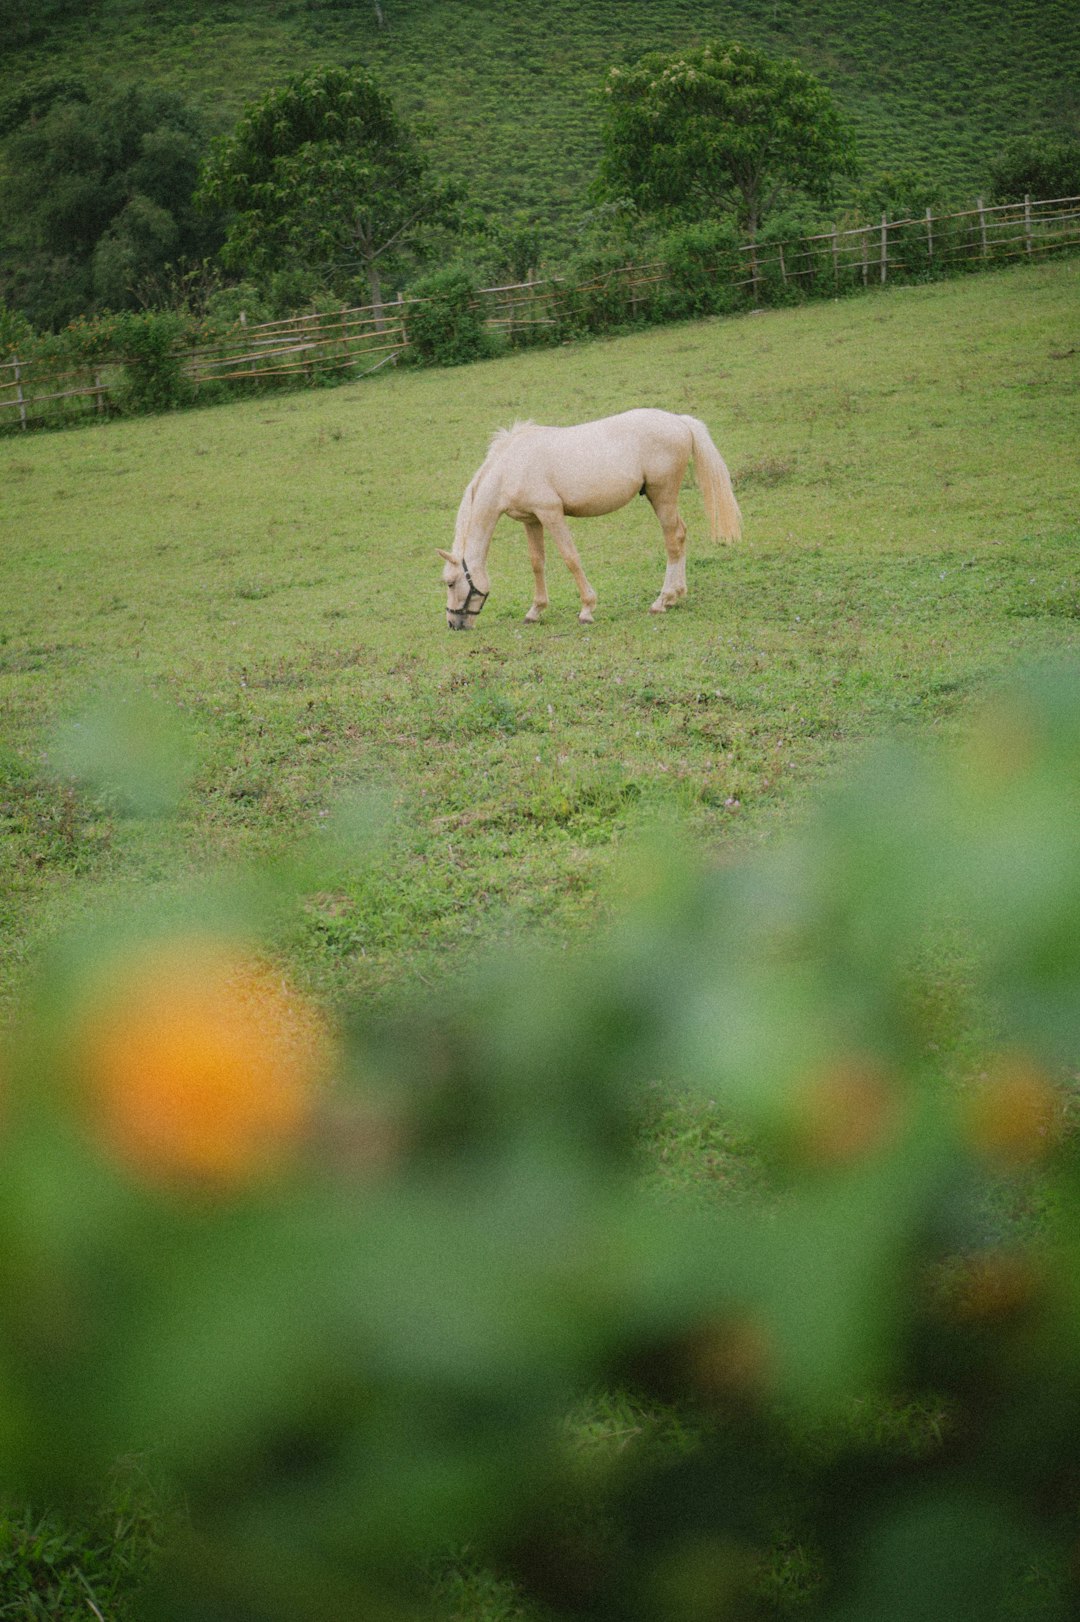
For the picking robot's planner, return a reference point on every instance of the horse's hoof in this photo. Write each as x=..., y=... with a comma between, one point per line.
x=532, y=617
x=659, y=607
x=585, y=617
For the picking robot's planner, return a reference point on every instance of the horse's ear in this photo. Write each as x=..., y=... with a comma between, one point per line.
x=447, y=557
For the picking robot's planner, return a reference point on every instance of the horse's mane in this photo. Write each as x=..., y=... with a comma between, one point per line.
x=498, y=439
x=501, y=435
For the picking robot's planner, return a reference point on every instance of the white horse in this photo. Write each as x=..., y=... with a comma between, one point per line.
x=540, y=476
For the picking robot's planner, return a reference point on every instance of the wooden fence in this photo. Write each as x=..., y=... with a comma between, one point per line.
x=55, y=389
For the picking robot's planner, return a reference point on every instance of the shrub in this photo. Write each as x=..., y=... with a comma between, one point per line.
x=15, y=330
x=354, y=1339
x=444, y=324
x=1038, y=166
x=608, y=290
x=702, y=263
x=154, y=378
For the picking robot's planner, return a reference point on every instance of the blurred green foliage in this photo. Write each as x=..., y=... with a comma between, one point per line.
x=361, y=1351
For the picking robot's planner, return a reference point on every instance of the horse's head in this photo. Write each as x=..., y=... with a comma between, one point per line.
x=466, y=592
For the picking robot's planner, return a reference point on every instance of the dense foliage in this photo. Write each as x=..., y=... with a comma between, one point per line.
x=445, y=327
x=929, y=93
x=321, y=174
x=721, y=131
x=1036, y=168
x=99, y=193
x=936, y=89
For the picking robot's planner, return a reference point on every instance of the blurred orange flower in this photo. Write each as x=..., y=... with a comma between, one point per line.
x=201, y=1063
x=846, y=1111
x=1014, y=1113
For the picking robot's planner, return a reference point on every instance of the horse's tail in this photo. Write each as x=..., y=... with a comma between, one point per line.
x=725, y=520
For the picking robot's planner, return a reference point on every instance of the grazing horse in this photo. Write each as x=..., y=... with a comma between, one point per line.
x=541, y=476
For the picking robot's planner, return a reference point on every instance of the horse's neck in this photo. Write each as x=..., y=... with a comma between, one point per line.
x=476, y=524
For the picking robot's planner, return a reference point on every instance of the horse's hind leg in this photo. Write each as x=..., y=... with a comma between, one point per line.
x=554, y=521
x=534, y=532
x=666, y=508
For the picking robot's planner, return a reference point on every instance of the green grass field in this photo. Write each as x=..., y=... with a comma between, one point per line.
x=906, y=467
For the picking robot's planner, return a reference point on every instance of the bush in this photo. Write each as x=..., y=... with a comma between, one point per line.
x=702, y=263
x=154, y=378
x=1041, y=167
x=900, y=194
x=444, y=324
x=348, y=1280
x=605, y=290
x=15, y=330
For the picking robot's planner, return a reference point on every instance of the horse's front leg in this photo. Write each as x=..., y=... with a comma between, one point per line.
x=534, y=532
x=555, y=523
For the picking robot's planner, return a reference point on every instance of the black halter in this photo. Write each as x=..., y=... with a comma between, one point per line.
x=474, y=591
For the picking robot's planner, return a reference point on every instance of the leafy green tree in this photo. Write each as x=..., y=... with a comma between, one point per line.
x=721, y=129
x=100, y=194
x=321, y=174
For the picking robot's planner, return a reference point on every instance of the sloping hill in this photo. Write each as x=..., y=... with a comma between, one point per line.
x=510, y=90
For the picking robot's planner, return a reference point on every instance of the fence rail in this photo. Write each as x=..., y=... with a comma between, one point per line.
x=360, y=340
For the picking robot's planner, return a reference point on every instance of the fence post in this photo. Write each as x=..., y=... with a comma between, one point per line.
x=19, y=390
x=866, y=256
x=930, y=239
x=835, y=255
x=783, y=267
x=982, y=228
x=884, y=249
x=1027, y=223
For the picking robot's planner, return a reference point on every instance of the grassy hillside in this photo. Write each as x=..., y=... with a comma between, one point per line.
x=510, y=90
x=906, y=470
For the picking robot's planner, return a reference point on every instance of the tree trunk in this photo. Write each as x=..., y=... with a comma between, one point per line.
x=375, y=283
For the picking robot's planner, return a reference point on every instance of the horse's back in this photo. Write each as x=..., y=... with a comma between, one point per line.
x=591, y=467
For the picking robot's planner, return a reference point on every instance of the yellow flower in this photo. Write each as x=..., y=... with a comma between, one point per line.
x=200, y=1064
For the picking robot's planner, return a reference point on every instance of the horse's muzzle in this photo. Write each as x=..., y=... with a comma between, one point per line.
x=456, y=622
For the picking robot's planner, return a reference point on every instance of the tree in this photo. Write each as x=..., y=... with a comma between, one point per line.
x=322, y=175
x=720, y=129
x=100, y=199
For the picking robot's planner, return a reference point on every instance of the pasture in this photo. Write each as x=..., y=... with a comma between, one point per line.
x=907, y=474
